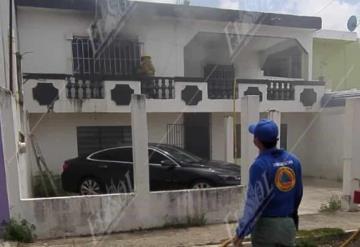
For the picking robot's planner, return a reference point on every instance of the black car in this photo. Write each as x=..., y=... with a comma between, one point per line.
x=111, y=171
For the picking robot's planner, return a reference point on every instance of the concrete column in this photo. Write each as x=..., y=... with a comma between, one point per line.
x=139, y=130
x=229, y=138
x=275, y=115
x=351, y=152
x=249, y=115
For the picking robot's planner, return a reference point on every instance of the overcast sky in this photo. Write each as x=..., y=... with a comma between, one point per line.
x=334, y=13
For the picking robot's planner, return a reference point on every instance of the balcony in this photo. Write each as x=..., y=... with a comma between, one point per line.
x=68, y=93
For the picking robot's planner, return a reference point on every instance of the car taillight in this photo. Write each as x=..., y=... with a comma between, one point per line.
x=65, y=166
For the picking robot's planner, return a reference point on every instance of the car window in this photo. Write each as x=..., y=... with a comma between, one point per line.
x=117, y=154
x=181, y=155
x=156, y=157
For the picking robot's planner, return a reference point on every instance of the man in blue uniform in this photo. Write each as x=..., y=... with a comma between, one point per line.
x=274, y=192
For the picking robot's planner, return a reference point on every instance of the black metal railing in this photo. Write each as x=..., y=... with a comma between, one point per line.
x=121, y=58
x=280, y=90
x=222, y=90
x=84, y=89
x=220, y=79
x=158, y=87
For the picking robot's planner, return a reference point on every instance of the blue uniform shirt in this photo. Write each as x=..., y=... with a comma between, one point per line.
x=275, y=188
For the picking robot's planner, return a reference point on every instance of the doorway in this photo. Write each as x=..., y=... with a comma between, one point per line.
x=197, y=134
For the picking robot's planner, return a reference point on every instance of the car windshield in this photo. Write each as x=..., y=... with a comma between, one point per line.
x=181, y=155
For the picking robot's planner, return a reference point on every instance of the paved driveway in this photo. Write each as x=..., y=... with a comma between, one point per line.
x=317, y=192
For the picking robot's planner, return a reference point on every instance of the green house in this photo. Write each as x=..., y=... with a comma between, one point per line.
x=336, y=59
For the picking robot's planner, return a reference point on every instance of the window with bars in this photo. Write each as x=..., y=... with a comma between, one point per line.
x=220, y=80
x=121, y=58
x=95, y=138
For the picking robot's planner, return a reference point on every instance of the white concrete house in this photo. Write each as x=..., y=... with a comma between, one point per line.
x=77, y=104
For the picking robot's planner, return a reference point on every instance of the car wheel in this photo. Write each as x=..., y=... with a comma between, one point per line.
x=201, y=184
x=90, y=186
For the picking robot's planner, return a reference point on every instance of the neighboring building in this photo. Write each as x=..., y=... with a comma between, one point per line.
x=336, y=59
x=77, y=105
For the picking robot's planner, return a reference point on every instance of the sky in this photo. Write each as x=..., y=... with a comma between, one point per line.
x=334, y=13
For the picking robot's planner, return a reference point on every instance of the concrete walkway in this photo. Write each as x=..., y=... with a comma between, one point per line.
x=196, y=236
x=316, y=192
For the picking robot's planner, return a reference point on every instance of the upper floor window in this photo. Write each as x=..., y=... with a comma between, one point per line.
x=287, y=63
x=121, y=58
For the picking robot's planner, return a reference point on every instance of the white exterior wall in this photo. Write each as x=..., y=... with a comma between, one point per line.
x=106, y=214
x=45, y=35
x=4, y=17
x=246, y=64
x=218, y=134
x=327, y=143
x=298, y=138
x=57, y=136
x=315, y=138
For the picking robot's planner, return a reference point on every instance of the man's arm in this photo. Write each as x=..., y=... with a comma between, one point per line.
x=253, y=202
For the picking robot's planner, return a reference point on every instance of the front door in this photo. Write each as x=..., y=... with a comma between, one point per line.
x=4, y=204
x=197, y=134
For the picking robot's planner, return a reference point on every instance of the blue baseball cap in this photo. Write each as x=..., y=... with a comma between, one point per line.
x=265, y=130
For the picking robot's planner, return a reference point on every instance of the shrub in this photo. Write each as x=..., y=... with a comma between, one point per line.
x=333, y=205
x=21, y=231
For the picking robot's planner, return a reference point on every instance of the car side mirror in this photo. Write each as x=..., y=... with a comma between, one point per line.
x=168, y=163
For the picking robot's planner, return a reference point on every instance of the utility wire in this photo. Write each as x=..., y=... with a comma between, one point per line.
x=324, y=7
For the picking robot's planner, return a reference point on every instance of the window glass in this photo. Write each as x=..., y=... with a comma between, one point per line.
x=94, y=138
x=118, y=154
x=181, y=155
x=156, y=157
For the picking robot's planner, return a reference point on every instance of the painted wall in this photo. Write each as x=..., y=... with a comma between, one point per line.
x=217, y=134
x=47, y=35
x=327, y=143
x=196, y=57
x=4, y=44
x=57, y=137
x=316, y=138
x=175, y=105
x=298, y=139
x=337, y=62
x=105, y=214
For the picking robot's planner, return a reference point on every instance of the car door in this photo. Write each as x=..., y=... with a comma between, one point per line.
x=161, y=171
x=116, y=168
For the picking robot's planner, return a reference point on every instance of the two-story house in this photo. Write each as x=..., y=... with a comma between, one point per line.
x=205, y=60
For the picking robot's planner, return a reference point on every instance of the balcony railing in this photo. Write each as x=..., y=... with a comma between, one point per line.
x=158, y=87
x=280, y=90
x=84, y=89
x=165, y=94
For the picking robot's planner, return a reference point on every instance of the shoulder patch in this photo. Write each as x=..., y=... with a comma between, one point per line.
x=285, y=179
